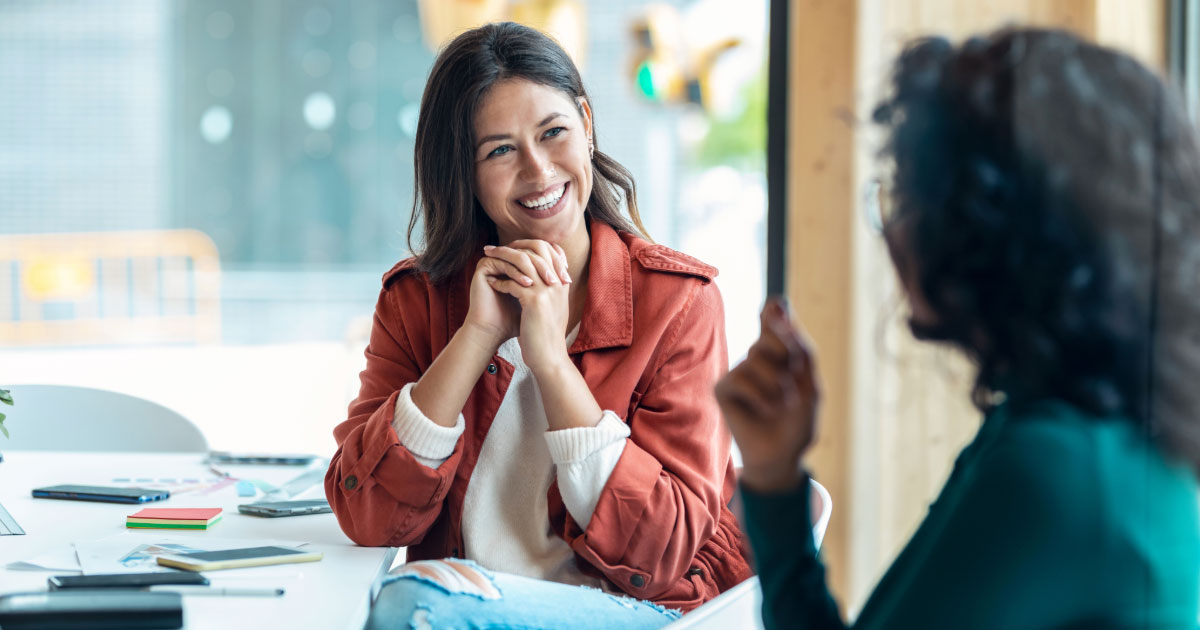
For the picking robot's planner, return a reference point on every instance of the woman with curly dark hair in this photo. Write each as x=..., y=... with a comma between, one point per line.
x=1042, y=218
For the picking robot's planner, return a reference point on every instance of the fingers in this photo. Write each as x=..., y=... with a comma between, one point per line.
x=548, y=259
x=781, y=341
x=739, y=399
x=498, y=267
x=504, y=285
x=779, y=370
x=802, y=361
x=768, y=385
x=562, y=263
x=774, y=337
x=530, y=264
x=545, y=256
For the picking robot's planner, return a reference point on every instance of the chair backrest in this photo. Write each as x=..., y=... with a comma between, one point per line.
x=741, y=606
x=69, y=418
x=150, y=286
x=822, y=508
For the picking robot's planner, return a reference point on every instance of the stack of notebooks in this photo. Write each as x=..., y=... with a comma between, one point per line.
x=173, y=518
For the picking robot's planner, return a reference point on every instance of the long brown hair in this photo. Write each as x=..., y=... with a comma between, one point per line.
x=444, y=199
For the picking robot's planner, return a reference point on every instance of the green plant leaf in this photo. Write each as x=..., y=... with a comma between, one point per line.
x=6, y=397
x=2, y=429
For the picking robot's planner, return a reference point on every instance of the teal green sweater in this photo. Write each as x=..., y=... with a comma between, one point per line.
x=1050, y=519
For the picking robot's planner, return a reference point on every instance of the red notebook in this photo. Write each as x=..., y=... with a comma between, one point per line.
x=173, y=518
x=180, y=514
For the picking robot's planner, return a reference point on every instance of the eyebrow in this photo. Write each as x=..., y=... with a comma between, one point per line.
x=504, y=136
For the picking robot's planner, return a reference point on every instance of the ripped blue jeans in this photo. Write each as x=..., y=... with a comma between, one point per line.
x=461, y=595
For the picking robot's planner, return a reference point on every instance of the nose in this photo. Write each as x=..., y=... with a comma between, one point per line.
x=536, y=166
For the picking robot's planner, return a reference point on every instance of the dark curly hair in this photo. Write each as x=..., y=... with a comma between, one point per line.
x=1044, y=190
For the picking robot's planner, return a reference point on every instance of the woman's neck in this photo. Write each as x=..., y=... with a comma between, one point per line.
x=578, y=251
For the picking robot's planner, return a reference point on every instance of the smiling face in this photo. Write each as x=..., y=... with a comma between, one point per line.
x=533, y=170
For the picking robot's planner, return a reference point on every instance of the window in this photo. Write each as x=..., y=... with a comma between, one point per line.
x=284, y=132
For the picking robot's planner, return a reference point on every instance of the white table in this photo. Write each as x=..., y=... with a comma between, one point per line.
x=331, y=593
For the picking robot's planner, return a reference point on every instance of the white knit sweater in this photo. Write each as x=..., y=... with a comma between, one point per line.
x=504, y=523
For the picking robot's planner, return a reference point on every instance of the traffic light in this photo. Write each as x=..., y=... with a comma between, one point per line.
x=668, y=66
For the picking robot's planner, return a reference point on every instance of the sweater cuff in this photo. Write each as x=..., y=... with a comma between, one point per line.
x=579, y=443
x=429, y=442
x=585, y=458
x=771, y=520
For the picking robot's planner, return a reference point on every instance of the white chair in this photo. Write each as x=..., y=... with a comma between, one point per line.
x=741, y=606
x=822, y=507
x=69, y=418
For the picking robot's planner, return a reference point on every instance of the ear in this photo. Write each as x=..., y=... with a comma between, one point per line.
x=585, y=112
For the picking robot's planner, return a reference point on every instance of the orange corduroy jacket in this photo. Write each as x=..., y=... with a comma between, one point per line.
x=651, y=345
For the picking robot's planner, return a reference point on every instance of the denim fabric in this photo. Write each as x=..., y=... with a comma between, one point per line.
x=413, y=602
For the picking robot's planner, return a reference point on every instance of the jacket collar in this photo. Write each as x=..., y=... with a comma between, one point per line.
x=607, y=320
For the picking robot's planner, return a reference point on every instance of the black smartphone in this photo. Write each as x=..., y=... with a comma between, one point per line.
x=100, y=493
x=286, y=508
x=126, y=580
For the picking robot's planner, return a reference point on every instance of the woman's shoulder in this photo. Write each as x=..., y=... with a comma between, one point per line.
x=407, y=276
x=1069, y=453
x=406, y=267
x=667, y=282
x=1053, y=421
x=407, y=287
x=1056, y=431
x=659, y=259
x=1117, y=491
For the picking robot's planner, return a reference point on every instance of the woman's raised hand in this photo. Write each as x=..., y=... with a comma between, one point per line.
x=770, y=403
x=536, y=276
x=493, y=315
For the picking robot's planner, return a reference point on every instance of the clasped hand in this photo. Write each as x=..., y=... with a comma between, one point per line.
x=522, y=289
x=770, y=403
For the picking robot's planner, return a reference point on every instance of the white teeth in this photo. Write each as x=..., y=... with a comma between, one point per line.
x=544, y=202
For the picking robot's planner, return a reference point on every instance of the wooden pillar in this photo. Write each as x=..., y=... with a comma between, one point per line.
x=820, y=184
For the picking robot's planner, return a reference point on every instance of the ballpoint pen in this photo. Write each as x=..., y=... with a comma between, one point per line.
x=220, y=473
x=216, y=591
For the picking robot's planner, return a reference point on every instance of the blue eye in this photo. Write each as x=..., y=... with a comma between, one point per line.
x=500, y=150
x=554, y=132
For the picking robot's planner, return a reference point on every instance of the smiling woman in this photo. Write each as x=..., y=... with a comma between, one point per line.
x=536, y=413
x=481, y=93
x=533, y=176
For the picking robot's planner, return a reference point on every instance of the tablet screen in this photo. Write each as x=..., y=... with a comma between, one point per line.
x=242, y=554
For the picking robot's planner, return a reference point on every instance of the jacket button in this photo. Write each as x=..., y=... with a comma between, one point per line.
x=351, y=482
x=637, y=581
x=491, y=368
x=454, y=552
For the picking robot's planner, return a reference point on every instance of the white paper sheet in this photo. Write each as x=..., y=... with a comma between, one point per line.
x=135, y=552
x=61, y=559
